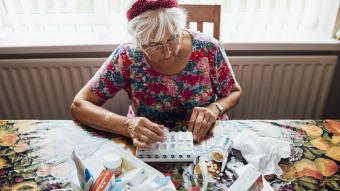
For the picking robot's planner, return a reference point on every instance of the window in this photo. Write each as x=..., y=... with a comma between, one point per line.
x=103, y=21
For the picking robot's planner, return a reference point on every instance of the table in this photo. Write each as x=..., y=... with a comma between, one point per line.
x=35, y=155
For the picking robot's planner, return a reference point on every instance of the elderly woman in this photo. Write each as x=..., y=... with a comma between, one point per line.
x=169, y=73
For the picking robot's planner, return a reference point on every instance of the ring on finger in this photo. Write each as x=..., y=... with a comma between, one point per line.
x=142, y=138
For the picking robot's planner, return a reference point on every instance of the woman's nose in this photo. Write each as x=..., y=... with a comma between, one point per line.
x=166, y=51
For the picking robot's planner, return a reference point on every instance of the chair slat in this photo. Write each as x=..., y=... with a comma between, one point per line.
x=200, y=26
x=204, y=14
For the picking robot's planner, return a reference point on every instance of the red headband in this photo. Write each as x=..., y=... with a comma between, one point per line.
x=140, y=6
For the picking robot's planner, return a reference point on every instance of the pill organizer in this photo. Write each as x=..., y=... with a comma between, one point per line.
x=177, y=147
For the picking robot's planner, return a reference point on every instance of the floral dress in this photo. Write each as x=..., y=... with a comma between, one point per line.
x=206, y=77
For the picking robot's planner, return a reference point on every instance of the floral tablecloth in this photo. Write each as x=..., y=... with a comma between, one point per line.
x=35, y=155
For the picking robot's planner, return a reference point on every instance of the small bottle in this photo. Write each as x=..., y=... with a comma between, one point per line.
x=113, y=163
x=222, y=148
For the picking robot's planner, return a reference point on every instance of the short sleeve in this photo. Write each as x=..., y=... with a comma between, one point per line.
x=109, y=79
x=222, y=75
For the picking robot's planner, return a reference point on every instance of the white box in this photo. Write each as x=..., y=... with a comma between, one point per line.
x=248, y=179
x=129, y=162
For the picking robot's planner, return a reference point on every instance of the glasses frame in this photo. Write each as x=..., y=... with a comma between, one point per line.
x=162, y=47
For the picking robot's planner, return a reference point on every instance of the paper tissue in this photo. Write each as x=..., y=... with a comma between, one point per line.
x=264, y=153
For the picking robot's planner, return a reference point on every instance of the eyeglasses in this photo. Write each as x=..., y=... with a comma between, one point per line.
x=172, y=43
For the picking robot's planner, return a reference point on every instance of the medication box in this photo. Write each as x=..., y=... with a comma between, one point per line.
x=95, y=163
x=177, y=147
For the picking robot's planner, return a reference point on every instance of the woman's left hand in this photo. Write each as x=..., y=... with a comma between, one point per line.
x=202, y=119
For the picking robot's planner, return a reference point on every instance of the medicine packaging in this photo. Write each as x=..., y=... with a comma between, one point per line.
x=177, y=147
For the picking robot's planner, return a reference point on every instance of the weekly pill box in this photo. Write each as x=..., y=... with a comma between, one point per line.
x=177, y=147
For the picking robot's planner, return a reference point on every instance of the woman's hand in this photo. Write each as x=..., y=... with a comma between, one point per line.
x=202, y=119
x=143, y=132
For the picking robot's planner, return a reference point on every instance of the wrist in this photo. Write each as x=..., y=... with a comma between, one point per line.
x=128, y=126
x=214, y=109
x=219, y=107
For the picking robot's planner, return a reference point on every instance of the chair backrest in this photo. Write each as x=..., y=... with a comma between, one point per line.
x=204, y=13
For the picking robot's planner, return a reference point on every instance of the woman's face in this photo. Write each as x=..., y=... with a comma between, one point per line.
x=165, y=51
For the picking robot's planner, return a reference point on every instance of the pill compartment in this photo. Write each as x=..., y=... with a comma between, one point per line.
x=163, y=146
x=172, y=136
x=166, y=134
x=178, y=146
x=156, y=147
x=188, y=136
x=178, y=152
x=172, y=147
x=180, y=136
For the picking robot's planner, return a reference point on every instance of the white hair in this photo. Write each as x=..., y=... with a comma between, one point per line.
x=153, y=25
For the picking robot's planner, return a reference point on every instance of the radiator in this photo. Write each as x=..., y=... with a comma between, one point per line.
x=283, y=87
x=45, y=88
x=294, y=87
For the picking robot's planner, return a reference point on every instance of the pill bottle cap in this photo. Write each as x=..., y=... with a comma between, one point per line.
x=112, y=161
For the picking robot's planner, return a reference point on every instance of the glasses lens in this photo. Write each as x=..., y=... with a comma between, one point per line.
x=173, y=42
x=170, y=44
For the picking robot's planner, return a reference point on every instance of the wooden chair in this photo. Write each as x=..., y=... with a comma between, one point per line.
x=204, y=13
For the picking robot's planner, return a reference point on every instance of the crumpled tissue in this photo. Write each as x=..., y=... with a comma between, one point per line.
x=264, y=153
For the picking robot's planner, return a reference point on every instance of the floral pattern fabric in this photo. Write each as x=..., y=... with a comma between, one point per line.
x=36, y=155
x=206, y=77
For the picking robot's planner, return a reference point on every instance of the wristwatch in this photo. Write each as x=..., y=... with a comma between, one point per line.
x=220, y=107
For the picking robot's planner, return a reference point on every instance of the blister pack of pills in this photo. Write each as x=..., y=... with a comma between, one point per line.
x=177, y=147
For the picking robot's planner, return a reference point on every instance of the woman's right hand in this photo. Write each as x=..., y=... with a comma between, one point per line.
x=143, y=132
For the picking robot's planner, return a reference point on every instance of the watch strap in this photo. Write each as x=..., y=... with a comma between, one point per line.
x=220, y=107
